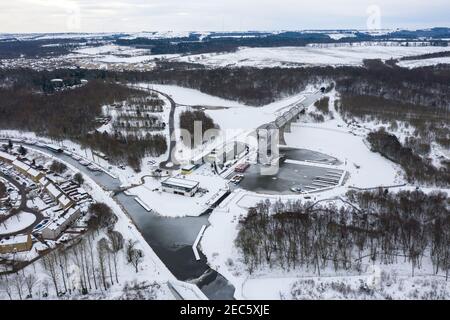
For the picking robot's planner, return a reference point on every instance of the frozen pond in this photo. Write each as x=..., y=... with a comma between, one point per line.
x=308, y=155
x=292, y=174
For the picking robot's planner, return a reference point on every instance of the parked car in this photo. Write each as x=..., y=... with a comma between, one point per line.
x=237, y=179
x=297, y=189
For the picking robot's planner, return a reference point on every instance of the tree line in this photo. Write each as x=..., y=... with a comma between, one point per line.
x=416, y=168
x=377, y=226
x=429, y=123
x=428, y=86
x=126, y=148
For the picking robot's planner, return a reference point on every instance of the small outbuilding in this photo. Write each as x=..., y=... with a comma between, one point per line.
x=15, y=244
x=180, y=186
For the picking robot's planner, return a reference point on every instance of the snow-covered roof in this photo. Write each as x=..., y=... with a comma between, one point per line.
x=53, y=190
x=178, y=182
x=189, y=167
x=21, y=165
x=44, y=181
x=23, y=238
x=33, y=172
x=7, y=156
x=64, y=200
x=56, y=224
x=72, y=211
x=62, y=220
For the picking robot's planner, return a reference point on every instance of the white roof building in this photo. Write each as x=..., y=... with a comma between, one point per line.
x=34, y=174
x=20, y=165
x=44, y=181
x=23, y=238
x=53, y=191
x=180, y=186
x=57, y=226
x=64, y=201
x=6, y=156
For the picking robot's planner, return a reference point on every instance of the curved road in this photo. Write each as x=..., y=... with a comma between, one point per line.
x=168, y=164
x=22, y=208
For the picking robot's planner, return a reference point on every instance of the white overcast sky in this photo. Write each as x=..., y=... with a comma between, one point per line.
x=215, y=15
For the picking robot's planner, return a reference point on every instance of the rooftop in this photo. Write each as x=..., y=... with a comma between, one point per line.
x=7, y=156
x=14, y=240
x=185, y=183
x=21, y=165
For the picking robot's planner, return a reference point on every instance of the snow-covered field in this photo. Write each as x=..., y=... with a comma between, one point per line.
x=423, y=62
x=114, y=54
x=307, y=56
x=192, y=97
x=18, y=222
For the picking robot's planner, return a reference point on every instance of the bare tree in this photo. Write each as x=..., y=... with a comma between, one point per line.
x=101, y=258
x=30, y=282
x=134, y=256
x=50, y=264
x=90, y=242
x=18, y=283
x=116, y=243
x=6, y=286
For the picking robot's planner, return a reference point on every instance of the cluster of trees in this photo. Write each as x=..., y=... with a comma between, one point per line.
x=130, y=148
x=66, y=114
x=371, y=107
x=188, y=119
x=428, y=86
x=58, y=167
x=322, y=105
x=13, y=48
x=378, y=227
x=440, y=54
x=20, y=285
x=78, y=178
x=316, y=117
x=429, y=123
x=416, y=168
x=86, y=265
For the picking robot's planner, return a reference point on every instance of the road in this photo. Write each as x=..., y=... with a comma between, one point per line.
x=168, y=164
x=22, y=207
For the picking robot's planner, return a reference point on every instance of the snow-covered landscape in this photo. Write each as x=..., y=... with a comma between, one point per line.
x=281, y=164
x=343, y=55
